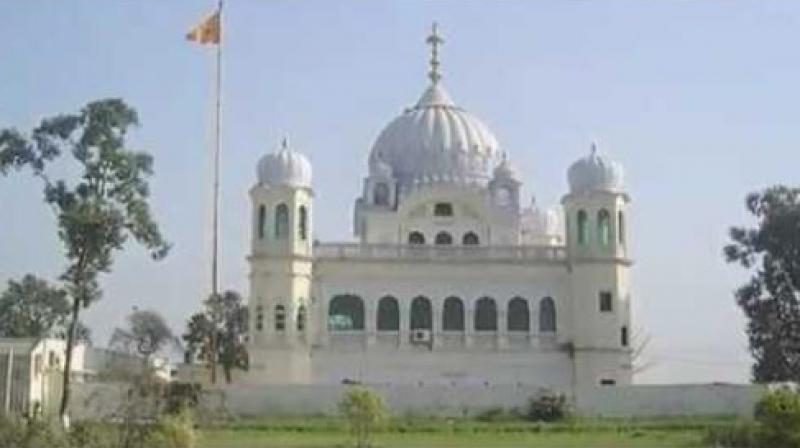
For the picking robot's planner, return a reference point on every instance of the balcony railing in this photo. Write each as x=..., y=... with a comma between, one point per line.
x=358, y=251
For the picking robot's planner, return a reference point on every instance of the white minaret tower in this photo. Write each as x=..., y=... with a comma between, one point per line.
x=597, y=244
x=280, y=269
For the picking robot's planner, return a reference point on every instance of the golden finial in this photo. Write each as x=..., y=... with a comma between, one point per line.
x=434, y=40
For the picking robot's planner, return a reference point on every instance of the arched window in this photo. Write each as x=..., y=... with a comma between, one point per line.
x=346, y=313
x=388, y=314
x=262, y=221
x=421, y=314
x=259, y=318
x=485, y=314
x=443, y=239
x=302, y=225
x=621, y=227
x=381, y=194
x=547, y=315
x=583, y=227
x=470, y=239
x=604, y=227
x=301, y=318
x=623, y=335
x=416, y=238
x=280, y=318
x=281, y=221
x=453, y=314
x=519, y=318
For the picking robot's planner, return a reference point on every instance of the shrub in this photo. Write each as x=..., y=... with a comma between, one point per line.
x=547, y=408
x=173, y=431
x=778, y=413
x=23, y=433
x=364, y=410
x=741, y=434
x=181, y=396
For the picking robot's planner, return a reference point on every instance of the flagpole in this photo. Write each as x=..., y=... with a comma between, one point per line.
x=215, y=211
x=217, y=144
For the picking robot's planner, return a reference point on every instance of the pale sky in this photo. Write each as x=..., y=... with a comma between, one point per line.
x=698, y=100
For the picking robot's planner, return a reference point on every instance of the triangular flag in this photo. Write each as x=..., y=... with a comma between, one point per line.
x=206, y=32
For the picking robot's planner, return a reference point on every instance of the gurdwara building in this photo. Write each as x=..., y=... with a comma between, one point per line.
x=451, y=279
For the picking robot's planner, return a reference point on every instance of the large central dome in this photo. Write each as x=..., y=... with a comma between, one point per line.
x=436, y=139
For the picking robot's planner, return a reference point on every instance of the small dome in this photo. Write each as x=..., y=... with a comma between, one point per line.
x=436, y=138
x=541, y=226
x=594, y=172
x=285, y=167
x=504, y=170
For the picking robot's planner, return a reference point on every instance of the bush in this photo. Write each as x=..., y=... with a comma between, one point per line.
x=547, y=408
x=23, y=433
x=778, y=414
x=741, y=434
x=365, y=411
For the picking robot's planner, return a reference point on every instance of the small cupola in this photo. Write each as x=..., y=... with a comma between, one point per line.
x=285, y=167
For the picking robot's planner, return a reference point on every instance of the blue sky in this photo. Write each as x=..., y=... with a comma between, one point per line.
x=698, y=100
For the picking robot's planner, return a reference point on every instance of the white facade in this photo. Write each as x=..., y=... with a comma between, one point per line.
x=31, y=371
x=452, y=280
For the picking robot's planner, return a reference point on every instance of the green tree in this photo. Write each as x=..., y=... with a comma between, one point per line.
x=365, y=411
x=770, y=299
x=98, y=206
x=217, y=334
x=147, y=333
x=32, y=308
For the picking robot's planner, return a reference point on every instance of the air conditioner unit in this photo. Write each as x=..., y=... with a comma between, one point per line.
x=420, y=336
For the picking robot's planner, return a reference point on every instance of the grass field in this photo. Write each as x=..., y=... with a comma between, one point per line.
x=331, y=432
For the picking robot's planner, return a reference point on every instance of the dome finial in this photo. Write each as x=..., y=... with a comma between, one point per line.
x=285, y=142
x=593, y=147
x=434, y=40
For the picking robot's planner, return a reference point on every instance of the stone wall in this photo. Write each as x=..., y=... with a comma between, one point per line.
x=92, y=400
x=441, y=400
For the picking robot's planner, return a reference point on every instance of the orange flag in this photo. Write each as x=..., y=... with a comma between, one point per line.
x=206, y=32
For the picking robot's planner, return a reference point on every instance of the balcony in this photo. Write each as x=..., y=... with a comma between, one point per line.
x=358, y=251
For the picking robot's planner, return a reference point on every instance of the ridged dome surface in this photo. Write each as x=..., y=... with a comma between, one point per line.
x=594, y=173
x=436, y=139
x=285, y=167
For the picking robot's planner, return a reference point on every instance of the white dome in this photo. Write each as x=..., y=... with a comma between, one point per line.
x=436, y=139
x=285, y=167
x=594, y=172
x=541, y=226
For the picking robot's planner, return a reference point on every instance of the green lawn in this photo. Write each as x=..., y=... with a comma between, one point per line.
x=331, y=432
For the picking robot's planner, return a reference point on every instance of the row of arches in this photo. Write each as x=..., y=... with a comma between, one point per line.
x=346, y=313
x=603, y=228
x=444, y=239
x=281, y=222
x=279, y=320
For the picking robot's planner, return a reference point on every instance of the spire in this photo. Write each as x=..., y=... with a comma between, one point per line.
x=434, y=40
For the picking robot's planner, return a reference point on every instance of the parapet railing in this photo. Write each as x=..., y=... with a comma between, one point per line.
x=359, y=251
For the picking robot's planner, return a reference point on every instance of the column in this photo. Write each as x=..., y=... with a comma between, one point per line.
x=370, y=320
x=469, y=324
x=405, y=321
x=501, y=337
x=437, y=323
